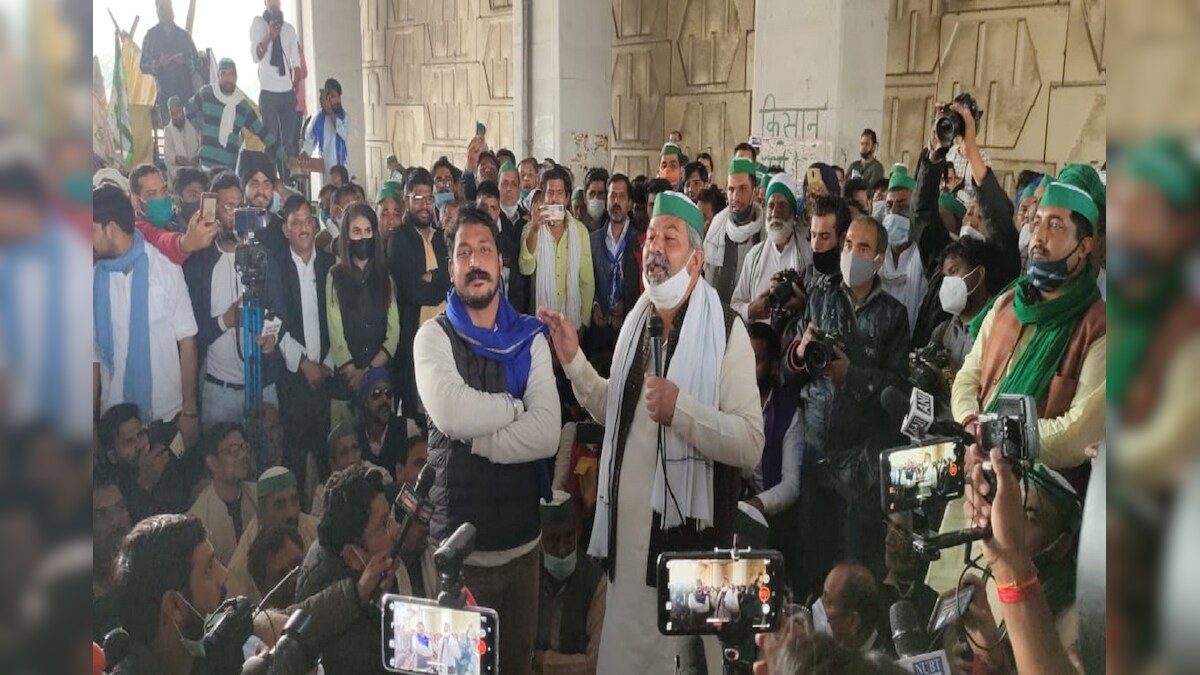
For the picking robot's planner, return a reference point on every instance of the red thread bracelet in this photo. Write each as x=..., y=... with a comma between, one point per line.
x=1018, y=592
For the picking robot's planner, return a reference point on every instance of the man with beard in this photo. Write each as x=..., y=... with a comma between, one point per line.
x=227, y=505
x=557, y=253
x=377, y=425
x=329, y=130
x=170, y=57
x=221, y=113
x=215, y=286
x=734, y=231
x=706, y=414
x=181, y=141
x=278, y=504
x=110, y=524
x=867, y=168
x=616, y=268
x=782, y=250
x=417, y=260
x=259, y=182
x=483, y=357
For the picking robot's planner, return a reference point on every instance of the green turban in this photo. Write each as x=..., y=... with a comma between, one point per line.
x=671, y=203
x=900, y=180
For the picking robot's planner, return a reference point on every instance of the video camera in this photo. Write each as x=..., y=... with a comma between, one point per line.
x=950, y=125
x=250, y=258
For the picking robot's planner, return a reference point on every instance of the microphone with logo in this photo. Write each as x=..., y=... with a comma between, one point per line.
x=911, y=642
x=919, y=418
x=412, y=505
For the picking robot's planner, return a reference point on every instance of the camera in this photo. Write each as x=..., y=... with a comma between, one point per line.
x=817, y=355
x=250, y=258
x=785, y=289
x=950, y=125
x=929, y=370
x=1013, y=429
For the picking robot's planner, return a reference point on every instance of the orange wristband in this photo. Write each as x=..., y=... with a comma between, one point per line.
x=1018, y=592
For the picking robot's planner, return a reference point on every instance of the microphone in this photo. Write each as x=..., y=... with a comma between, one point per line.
x=411, y=505
x=655, y=329
x=919, y=417
x=910, y=640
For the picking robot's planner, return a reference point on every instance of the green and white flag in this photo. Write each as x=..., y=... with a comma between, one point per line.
x=119, y=105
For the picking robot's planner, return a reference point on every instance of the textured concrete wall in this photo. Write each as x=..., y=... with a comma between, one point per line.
x=1036, y=67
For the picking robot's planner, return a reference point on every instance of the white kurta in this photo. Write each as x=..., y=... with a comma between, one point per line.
x=630, y=641
x=904, y=279
x=763, y=262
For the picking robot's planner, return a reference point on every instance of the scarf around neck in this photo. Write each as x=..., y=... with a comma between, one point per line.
x=339, y=143
x=137, y=386
x=228, y=113
x=509, y=343
x=1132, y=327
x=616, y=280
x=547, y=271
x=723, y=226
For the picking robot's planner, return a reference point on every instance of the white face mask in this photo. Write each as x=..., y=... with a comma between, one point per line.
x=878, y=209
x=954, y=293
x=820, y=618
x=1025, y=237
x=595, y=208
x=897, y=229
x=779, y=231
x=968, y=232
x=669, y=293
x=856, y=270
x=510, y=211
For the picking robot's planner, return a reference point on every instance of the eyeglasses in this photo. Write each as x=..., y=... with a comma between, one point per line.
x=235, y=450
x=379, y=393
x=421, y=199
x=441, y=182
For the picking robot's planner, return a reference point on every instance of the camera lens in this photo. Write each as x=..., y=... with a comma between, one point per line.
x=949, y=125
x=817, y=357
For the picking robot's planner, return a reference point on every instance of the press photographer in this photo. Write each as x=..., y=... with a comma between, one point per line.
x=784, y=249
x=842, y=398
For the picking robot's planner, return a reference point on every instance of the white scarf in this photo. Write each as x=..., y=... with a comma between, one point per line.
x=229, y=113
x=695, y=368
x=722, y=225
x=905, y=281
x=547, y=270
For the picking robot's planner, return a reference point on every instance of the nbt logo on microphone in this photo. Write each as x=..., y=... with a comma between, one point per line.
x=931, y=663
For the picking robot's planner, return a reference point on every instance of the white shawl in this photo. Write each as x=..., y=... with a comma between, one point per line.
x=722, y=225
x=905, y=281
x=228, y=113
x=695, y=368
x=547, y=271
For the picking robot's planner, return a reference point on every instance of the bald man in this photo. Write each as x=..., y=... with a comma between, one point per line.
x=851, y=609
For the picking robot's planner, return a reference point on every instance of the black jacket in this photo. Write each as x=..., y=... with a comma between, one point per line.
x=406, y=263
x=354, y=647
x=291, y=311
x=520, y=286
x=197, y=272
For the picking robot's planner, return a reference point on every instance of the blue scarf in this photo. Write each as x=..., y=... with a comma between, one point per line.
x=509, y=343
x=616, y=280
x=318, y=132
x=137, y=385
x=423, y=639
x=48, y=248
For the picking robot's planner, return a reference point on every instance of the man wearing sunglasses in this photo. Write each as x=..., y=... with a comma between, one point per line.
x=377, y=416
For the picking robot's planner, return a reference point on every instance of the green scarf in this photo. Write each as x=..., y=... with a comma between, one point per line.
x=1055, y=321
x=1134, y=322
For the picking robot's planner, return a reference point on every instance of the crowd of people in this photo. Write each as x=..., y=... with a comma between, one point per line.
x=502, y=322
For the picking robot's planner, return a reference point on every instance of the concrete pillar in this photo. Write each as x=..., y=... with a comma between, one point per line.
x=332, y=41
x=819, y=69
x=562, y=68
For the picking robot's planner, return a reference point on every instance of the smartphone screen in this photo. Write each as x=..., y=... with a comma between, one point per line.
x=911, y=476
x=247, y=220
x=950, y=608
x=554, y=212
x=421, y=637
x=208, y=207
x=699, y=594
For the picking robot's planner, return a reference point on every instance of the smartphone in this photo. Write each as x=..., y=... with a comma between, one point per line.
x=950, y=608
x=415, y=631
x=911, y=476
x=271, y=326
x=248, y=220
x=480, y=129
x=208, y=207
x=706, y=592
x=554, y=212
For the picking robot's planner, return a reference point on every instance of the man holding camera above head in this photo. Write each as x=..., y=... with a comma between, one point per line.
x=684, y=495
x=855, y=345
x=779, y=252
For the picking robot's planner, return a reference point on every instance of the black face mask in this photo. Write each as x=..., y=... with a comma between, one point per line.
x=827, y=262
x=362, y=249
x=187, y=210
x=337, y=109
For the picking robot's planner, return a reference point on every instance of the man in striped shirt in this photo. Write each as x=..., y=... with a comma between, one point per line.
x=220, y=114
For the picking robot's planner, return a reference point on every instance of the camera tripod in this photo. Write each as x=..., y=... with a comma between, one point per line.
x=250, y=259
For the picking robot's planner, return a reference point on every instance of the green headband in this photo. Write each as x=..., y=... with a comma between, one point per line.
x=950, y=203
x=900, y=179
x=559, y=509
x=508, y=166
x=671, y=203
x=671, y=149
x=269, y=485
x=577, y=192
x=780, y=187
x=391, y=189
x=764, y=179
x=742, y=165
x=226, y=64
x=1031, y=188
x=342, y=427
x=1071, y=197
x=1164, y=164
x=1086, y=178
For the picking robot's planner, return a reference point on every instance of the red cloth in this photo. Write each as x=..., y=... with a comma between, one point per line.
x=98, y=663
x=167, y=242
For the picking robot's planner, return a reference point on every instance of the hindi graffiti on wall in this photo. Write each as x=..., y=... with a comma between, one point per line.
x=792, y=154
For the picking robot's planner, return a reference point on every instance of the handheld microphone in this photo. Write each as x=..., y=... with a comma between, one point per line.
x=411, y=505
x=655, y=329
x=911, y=641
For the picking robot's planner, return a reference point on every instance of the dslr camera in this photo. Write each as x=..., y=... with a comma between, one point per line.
x=817, y=355
x=785, y=289
x=929, y=370
x=950, y=125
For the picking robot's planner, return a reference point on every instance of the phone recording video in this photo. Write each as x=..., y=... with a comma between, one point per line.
x=208, y=207
x=914, y=475
x=420, y=636
x=249, y=220
x=702, y=595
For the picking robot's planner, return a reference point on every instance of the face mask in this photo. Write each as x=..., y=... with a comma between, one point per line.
x=524, y=194
x=779, y=235
x=826, y=262
x=954, y=293
x=194, y=648
x=1128, y=265
x=159, y=211
x=509, y=211
x=820, y=618
x=274, y=203
x=856, y=270
x=187, y=210
x=77, y=188
x=324, y=215
x=968, y=232
x=1049, y=276
x=595, y=208
x=560, y=568
x=897, y=229
x=440, y=199
x=878, y=209
x=669, y=293
x=362, y=249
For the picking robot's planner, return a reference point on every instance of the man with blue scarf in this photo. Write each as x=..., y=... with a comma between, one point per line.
x=329, y=129
x=484, y=375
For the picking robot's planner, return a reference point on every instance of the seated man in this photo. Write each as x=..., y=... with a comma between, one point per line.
x=377, y=420
x=227, y=506
x=344, y=452
x=850, y=609
x=403, y=458
x=276, y=551
x=572, y=598
x=278, y=504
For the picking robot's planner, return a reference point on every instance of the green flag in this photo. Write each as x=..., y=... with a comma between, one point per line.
x=120, y=105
